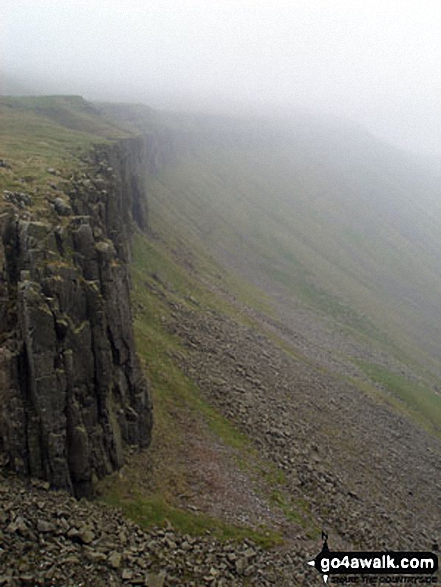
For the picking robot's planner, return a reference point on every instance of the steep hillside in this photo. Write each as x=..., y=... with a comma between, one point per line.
x=342, y=227
x=289, y=356
x=339, y=230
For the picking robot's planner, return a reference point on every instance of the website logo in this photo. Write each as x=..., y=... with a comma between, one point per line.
x=329, y=562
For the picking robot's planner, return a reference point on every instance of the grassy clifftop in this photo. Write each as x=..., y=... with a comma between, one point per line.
x=37, y=133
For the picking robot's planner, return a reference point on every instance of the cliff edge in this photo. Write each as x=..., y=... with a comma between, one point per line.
x=72, y=392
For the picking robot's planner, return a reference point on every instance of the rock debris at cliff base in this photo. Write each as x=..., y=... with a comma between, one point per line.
x=48, y=538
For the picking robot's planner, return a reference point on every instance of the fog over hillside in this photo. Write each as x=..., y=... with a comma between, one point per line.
x=220, y=286
x=377, y=63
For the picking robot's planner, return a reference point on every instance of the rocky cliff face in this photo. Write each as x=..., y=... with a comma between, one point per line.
x=72, y=393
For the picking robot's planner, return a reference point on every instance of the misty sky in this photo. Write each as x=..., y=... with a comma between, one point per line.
x=376, y=61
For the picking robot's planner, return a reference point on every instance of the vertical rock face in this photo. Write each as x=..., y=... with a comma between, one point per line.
x=71, y=389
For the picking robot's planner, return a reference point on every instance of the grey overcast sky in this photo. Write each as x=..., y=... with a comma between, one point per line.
x=375, y=61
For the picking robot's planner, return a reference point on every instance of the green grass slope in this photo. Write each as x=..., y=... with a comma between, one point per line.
x=351, y=230
x=42, y=140
x=37, y=133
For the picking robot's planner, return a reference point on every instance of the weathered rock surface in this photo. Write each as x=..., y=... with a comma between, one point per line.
x=71, y=389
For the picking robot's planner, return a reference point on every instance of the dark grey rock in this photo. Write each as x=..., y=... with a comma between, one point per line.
x=61, y=207
x=73, y=393
x=20, y=199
